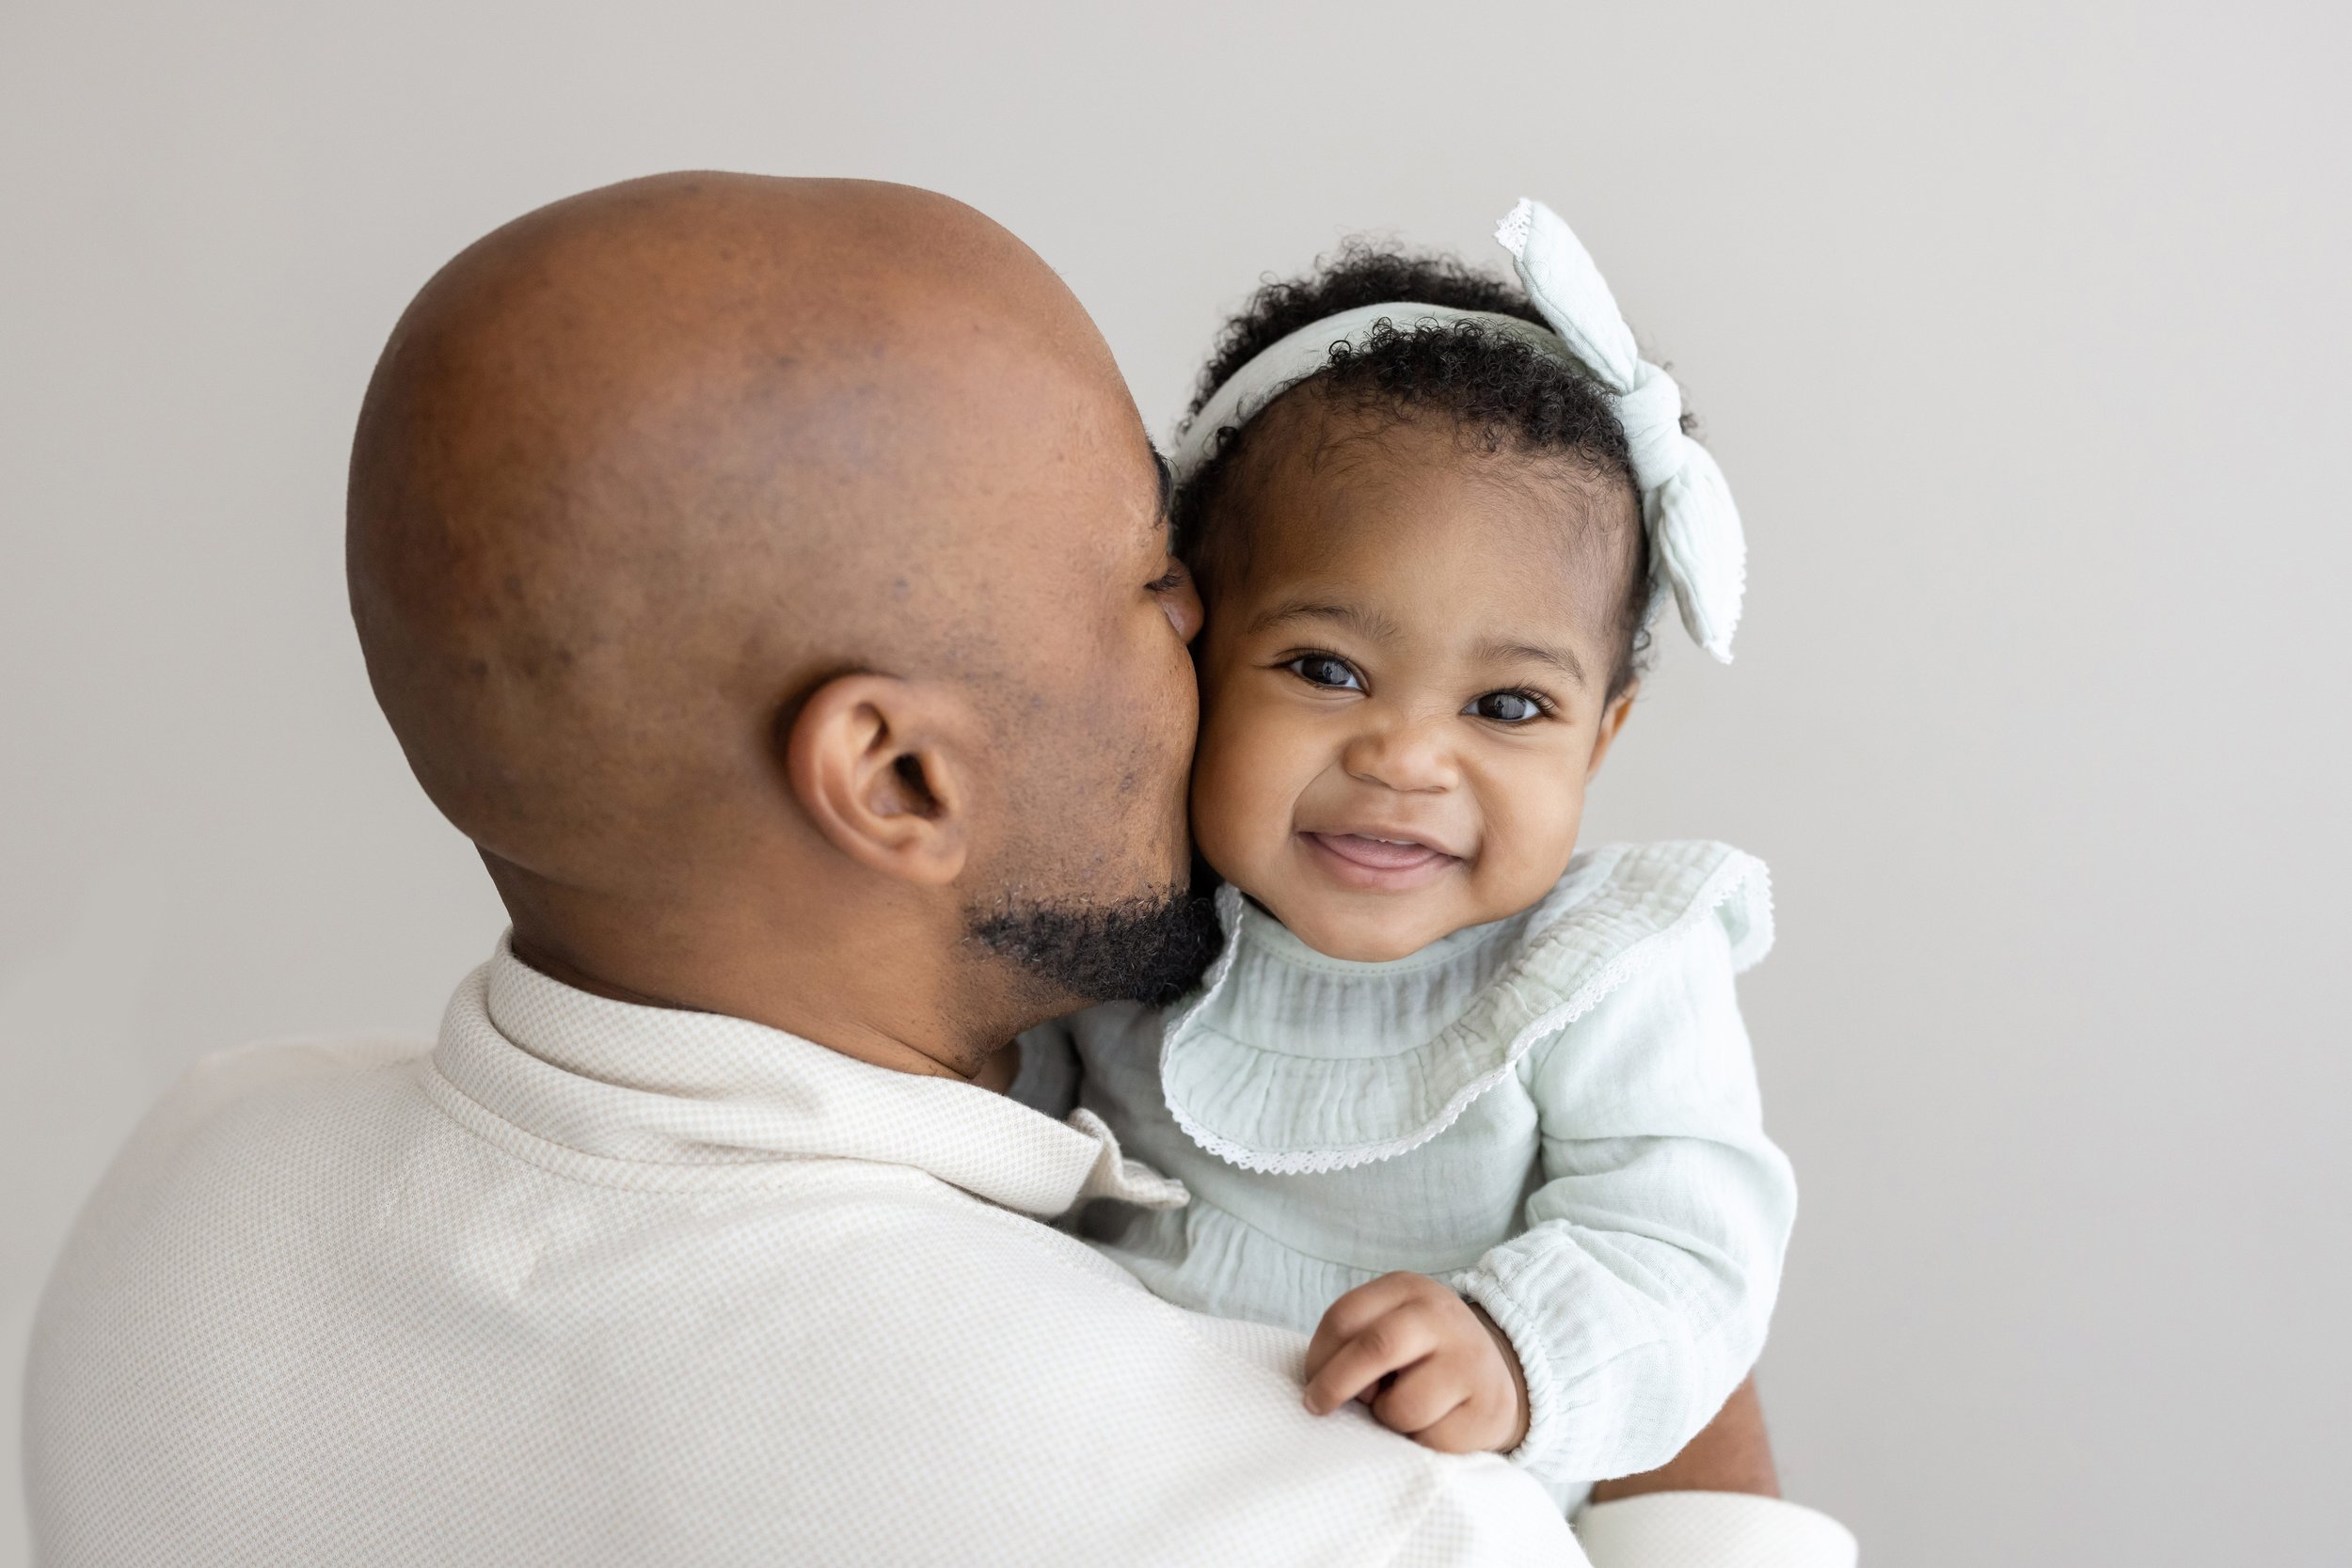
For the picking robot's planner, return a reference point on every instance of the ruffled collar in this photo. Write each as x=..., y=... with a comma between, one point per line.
x=1287, y=1061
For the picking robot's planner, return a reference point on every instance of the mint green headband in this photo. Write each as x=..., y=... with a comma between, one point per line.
x=1697, y=548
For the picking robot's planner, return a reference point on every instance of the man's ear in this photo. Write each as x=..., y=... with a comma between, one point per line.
x=1613, y=720
x=886, y=767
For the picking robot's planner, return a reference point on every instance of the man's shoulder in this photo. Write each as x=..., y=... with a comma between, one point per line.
x=243, y=1128
x=274, y=1077
x=269, y=1063
x=270, y=1067
x=241, y=1091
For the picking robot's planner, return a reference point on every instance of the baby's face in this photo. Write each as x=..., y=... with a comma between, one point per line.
x=1403, y=686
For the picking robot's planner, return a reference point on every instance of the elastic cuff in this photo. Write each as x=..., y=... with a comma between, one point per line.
x=1712, y=1529
x=1542, y=1399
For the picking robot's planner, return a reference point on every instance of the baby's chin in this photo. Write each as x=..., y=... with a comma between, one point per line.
x=1367, y=928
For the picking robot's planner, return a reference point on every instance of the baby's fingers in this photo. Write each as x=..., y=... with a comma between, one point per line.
x=1422, y=1400
x=1468, y=1428
x=1390, y=1342
x=1356, y=1311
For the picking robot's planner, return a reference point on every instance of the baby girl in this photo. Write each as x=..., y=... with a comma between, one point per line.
x=1473, y=1109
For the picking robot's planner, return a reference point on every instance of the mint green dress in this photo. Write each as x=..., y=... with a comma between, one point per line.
x=1556, y=1114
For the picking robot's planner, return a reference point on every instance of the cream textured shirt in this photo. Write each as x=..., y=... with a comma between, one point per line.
x=1555, y=1113
x=609, y=1286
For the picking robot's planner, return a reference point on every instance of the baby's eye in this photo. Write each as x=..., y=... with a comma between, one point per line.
x=1324, y=671
x=1505, y=707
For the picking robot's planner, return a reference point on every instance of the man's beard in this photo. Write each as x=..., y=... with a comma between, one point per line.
x=1150, y=949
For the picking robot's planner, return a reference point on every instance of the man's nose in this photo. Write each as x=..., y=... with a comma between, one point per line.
x=1182, y=604
x=1407, y=755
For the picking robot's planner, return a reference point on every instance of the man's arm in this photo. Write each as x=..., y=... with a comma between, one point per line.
x=1731, y=1453
x=1717, y=1501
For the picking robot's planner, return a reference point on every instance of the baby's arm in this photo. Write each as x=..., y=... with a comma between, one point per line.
x=1639, y=1294
x=1428, y=1363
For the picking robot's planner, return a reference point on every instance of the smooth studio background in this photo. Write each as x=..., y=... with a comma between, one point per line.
x=2020, y=329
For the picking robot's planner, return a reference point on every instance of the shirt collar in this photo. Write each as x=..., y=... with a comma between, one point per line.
x=707, y=1099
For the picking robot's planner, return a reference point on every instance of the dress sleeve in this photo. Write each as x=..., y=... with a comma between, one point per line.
x=1638, y=1295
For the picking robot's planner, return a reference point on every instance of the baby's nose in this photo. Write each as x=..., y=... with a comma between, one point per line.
x=1404, y=756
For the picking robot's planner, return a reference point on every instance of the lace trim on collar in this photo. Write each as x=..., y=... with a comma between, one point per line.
x=1619, y=912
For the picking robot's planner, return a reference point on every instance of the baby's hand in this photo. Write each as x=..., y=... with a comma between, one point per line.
x=1437, y=1368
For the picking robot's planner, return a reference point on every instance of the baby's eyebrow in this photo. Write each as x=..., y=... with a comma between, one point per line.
x=1498, y=651
x=1365, y=622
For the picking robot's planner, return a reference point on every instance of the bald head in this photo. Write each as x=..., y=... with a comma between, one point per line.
x=643, y=470
x=638, y=461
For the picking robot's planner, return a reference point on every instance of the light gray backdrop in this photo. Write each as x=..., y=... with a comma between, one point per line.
x=2020, y=329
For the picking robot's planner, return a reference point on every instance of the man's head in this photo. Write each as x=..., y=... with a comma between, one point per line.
x=771, y=578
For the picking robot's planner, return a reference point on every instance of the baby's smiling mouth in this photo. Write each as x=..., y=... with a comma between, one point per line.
x=1383, y=862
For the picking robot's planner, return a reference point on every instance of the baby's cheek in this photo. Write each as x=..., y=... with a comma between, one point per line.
x=1531, y=833
x=1225, y=815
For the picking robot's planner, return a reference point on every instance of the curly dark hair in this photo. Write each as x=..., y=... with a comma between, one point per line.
x=1498, y=389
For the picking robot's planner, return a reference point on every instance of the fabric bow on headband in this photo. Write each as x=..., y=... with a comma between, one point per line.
x=1697, y=548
